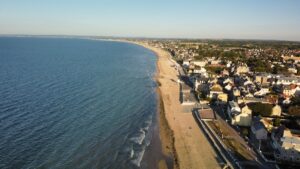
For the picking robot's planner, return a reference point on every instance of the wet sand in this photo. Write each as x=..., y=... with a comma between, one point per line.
x=154, y=157
x=180, y=136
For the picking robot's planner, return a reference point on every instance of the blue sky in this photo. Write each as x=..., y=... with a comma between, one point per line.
x=245, y=19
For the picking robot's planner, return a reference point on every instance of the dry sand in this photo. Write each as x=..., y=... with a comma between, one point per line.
x=180, y=135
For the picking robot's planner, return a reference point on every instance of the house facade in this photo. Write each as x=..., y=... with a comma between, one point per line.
x=276, y=111
x=242, y=69
x=215, y=90
x=286, y=144
x=240, y=116
x=200, y=63
x=258, y=132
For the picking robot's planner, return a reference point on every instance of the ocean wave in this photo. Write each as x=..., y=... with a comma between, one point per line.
x=139, y=156
x=140, y=138
x=146, y=128
x=131, y=153
x=147, y=125
x=55, y=114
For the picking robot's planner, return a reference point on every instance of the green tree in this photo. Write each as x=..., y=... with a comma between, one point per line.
x=259, y=65
x=276, y=122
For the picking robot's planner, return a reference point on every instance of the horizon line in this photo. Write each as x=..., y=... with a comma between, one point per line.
x=145, y=37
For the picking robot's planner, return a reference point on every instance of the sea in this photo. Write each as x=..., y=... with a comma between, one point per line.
x=77, y=103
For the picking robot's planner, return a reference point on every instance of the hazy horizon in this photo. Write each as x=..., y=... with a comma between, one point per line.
x=253, y=20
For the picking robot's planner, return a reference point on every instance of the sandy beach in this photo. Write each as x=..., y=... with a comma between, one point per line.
x=179, y=133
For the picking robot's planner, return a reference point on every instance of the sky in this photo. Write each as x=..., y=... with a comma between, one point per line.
x=217, y=19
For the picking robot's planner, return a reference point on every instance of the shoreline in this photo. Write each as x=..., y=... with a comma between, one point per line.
x=179, y=134
x=166, y=134
x=167, y=157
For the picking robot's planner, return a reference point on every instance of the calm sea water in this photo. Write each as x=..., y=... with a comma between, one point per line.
x=74, y=103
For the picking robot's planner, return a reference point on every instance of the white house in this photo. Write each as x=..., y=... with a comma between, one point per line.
x=287, y=80
x=263, y=91
x=228, y=87
x=228, y=64
x=200, y=63
x=292, y=70
x=200, y=70
x=241, y=116
x=233, y=108
x=186, y=63
x=248, y=82
x=228, y=80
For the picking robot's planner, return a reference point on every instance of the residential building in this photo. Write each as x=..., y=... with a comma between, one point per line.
x=215, y=90
x=263, y=91
x=236, y=92
x=292, y=70
x=268, y=123
x=292, y=57
x=223, y=97
x=199, y=70
x=265, y=78
x=199, y=63
x=258, y=132
x=276, y=111
x=286, y=144
x=287, y=80
x=186, y=63
x=290, y=90
x=239, y=115
x=242, y=69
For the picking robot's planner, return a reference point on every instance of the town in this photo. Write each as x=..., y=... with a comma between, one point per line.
x=245, y=95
